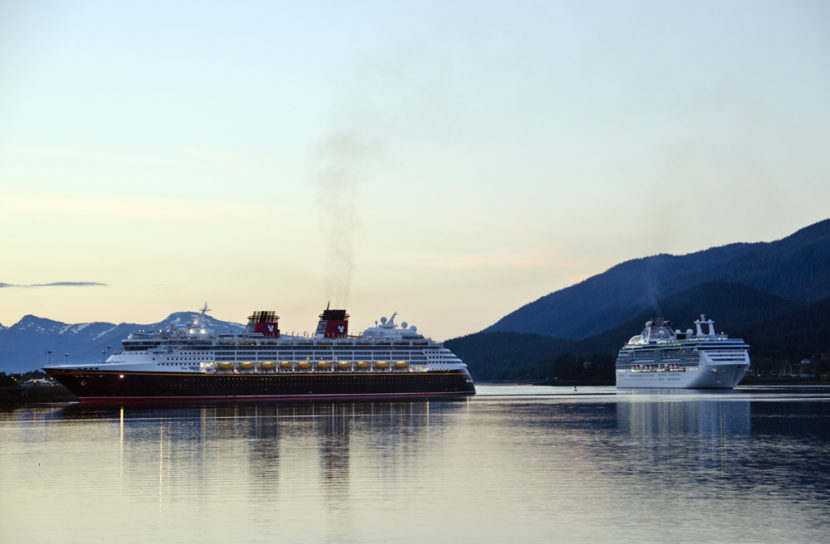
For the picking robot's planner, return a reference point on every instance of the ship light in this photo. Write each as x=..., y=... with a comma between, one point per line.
x=202, y=331
x=121, y=376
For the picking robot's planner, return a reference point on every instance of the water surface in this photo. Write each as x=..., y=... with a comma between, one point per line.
x=544, y=464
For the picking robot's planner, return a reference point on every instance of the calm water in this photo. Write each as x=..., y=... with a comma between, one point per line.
x=531, y=463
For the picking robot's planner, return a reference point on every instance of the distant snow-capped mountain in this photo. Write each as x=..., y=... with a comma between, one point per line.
x=34, y=341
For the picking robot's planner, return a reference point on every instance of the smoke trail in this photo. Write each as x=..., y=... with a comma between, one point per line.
x=393, y=95
x=338, y=174
x=651, y=286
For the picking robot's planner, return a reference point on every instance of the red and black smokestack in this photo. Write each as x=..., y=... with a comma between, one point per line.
x=332, y=324
x=264, y=323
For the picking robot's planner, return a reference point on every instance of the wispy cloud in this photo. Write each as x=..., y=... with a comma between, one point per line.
x=136, y=207
x=56, y=284
x=188, y=156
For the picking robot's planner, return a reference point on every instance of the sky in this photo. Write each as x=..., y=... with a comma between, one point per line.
x=450, y=161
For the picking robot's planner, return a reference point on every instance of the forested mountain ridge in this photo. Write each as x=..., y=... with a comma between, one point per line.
x=796, y=267
x=738, y=310
x=775, y=295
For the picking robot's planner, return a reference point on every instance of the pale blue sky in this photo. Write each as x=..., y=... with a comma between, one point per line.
x=447, y=160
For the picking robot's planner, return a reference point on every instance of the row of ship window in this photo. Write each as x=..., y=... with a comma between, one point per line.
x=321, y=379
x=231, y=359
x=235, y=350
x=304, y=353
x=309, y=353
x=414, y=362
x=358, y=344
x=300, y=348
x=668, y=354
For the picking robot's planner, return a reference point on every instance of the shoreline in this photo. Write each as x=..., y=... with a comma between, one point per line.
x=747, y=380
x=15, y=395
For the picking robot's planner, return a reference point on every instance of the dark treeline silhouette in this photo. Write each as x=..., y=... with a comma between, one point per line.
x=782, y=333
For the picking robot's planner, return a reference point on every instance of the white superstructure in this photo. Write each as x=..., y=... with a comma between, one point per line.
x=260, y=349
x=194, y=364
x=660, y=357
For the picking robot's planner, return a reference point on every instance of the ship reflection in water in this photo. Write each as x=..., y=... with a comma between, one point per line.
x=713, y=428
x=285, y=465
x=543, y=464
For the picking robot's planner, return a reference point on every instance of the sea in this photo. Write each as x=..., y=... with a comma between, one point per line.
x=513, y=464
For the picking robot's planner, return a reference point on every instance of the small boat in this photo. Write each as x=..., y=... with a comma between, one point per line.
x=324, y=365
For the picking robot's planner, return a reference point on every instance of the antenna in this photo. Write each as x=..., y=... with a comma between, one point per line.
x=205, y=309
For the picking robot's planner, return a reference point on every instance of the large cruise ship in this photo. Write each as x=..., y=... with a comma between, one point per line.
x=193, y=363
x=662, y=358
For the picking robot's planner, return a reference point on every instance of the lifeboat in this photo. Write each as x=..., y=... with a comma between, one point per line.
x=381, y=365
x=324, y=365
x=269, y=365
x=344, y=365
x=363, y=365
x=285, y=365
x=304, y=365
x=224, y=366
x=401, y=365
x=247, y=365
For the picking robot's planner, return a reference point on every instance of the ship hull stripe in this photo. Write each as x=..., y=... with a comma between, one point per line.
x=250, y=398
x=91, y=386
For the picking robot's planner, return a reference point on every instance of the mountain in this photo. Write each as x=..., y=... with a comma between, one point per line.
x=760, y=291
x=802, y=333
x=775, y=327
x=493, y=356
x=33, y=341
x=794, y=268
x=734, y=308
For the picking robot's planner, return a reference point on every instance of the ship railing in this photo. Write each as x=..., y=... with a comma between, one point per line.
x=325, y=367
x=310, y=366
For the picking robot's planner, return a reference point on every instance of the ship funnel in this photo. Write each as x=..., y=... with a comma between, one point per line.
x=264, y=323
x=332, y=324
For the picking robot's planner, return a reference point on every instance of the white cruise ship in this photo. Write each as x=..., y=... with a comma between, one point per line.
x=193, y=363
x=659, y=357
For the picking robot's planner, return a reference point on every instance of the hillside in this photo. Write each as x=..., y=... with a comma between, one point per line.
x=801, y=333
x=794, y=268
x=777, y=329
x=734, y=307
x=508, y=355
